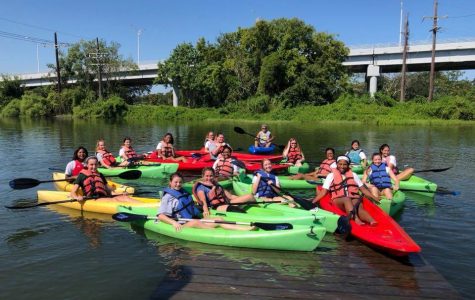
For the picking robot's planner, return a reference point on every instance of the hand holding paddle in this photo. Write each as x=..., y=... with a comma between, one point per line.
x=128, y=217
x=26, y=183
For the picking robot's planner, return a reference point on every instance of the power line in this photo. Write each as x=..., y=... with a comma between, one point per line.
x=457, y=17
x=41, y=28
x=31, y=39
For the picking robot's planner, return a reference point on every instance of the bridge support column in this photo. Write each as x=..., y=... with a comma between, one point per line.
x=175, y=95
x=373, y=74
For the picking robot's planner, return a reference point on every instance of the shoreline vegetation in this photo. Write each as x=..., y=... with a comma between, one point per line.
x=278, y=70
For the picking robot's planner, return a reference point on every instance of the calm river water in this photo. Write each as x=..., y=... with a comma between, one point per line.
x=56, y=253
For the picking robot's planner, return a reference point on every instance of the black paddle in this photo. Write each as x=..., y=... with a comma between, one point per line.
x=26, y=183
x=432, y=170
x=242, y=131
x=305, y=204
x=128, y=217
x=23, y=206
x=439, y=190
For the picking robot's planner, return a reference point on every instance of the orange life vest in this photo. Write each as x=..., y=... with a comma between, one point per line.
x=325, y=167
x=224, y=167
x=166, y=151
x=343, y=187
x=93, y=185
x=130, y=152
x=214, y=197
x=293, y=155
x=107, y=158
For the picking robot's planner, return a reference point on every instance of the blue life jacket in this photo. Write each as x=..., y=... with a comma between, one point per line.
x=354, y=156
x=186, y=207
x=379, y=177
x=263, y=189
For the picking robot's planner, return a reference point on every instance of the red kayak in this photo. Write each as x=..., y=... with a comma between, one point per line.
x=197, y=164
x=236, y=155
x=386, y=235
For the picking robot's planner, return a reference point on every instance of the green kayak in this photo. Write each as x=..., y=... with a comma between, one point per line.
x=148, y=171
x=325, y=218
x=304, y=168
x=299, y=238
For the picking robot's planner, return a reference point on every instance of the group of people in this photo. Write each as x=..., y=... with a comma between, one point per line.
x=380, y=178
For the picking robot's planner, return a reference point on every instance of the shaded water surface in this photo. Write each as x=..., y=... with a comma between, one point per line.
x=52, y=251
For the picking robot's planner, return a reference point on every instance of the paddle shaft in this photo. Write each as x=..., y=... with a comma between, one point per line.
x=432, y=170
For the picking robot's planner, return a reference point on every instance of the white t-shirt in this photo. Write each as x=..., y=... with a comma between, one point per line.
x=391, y=160
x=263, y=137
x=329, y=180
x=70, y=167
x=121, y=152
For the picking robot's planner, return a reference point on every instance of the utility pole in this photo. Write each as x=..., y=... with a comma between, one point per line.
x=404, y=58
x=434, y=38
x=100, y=69
x=58, y=74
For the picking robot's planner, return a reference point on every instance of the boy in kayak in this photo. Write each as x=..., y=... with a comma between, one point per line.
x=176, y=204
x=344, y=186
x=264, y=137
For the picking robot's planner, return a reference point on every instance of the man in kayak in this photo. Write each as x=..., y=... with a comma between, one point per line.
x=176, y=203
x=264, y=137
x=344, y=186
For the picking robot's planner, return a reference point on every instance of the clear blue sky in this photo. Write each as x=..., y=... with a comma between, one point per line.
x=166, y=24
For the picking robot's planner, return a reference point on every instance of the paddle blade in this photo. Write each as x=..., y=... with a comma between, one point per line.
x=128, y=217
x=305, y=204
x=238, y=163
x=239, y=130
x=344, y=226
x=445, y=191
x=432, y=170
x=131, y=174
x=23, y=183
x=273, y=226
x=196, y=155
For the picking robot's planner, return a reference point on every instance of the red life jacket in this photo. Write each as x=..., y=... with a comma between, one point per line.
x=293, y=155
x=343, y=188
x=166, y=151
x=325, y=167
x=130, y=152
x=224, y=167
x=93, y=185
x=214, y=197
x=78, y=167
x=107, y=158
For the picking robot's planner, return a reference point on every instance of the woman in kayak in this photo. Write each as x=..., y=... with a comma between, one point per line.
x=264, y=137
x=210, y=194
x=166, y=151
x=265, y=184
x=293, y=153
x=106, y=158
x=74, y=167
x=209, y=139
x=224, y=166
x=356, y=154
x=177, y=204
x=343, y=185
x=216, y=148
x=390, y=160
x=380, y=175
x=94, y=185
x=325, y=168
x=127, y=153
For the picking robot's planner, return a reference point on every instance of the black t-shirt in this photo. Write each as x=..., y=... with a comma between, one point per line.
x=82, y=177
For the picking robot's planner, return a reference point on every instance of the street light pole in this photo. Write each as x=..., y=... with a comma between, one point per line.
x=139, y=32
x=37, y=58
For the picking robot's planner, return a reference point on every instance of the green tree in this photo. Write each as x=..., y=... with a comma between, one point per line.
x=10, y=88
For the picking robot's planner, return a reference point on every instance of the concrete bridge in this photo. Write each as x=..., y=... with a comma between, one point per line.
x=371, y=60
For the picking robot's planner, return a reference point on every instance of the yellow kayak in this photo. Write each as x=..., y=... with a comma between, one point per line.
x=103, y=207
x=67, y=186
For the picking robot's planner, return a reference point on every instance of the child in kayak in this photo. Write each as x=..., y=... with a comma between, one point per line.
x=264, y=181
x=105, y=158
x=224, y=166
x=210, y=194
x=264, y=137
x=380, y=175
x=127, y=153
x=343, y=185
x=209, y=138
x=177, y=204
x=293, y=153
x=94, y=185
x=216, y=148
x=390, y=160
x=356, y=154
x=325, y=168
x=74, y=167
x=166, y=151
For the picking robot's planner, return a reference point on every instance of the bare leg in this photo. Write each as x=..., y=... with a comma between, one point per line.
x=362, y=215
x=242, y=199
x=374, y=190
x=388, y=193
x=406, y=174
